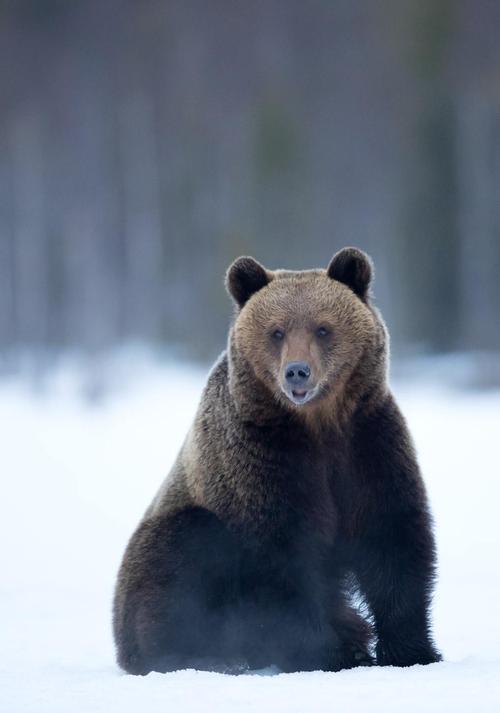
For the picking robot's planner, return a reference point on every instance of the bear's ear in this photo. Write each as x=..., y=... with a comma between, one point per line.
x=354, y=268
x=245, y=277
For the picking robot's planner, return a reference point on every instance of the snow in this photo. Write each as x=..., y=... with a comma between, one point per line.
x=77, y=474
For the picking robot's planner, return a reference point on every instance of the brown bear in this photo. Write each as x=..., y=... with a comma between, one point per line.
x=297, y=482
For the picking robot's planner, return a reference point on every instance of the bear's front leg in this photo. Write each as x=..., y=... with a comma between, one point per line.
x=396, y=576
x=283, y=606
x=395, y=551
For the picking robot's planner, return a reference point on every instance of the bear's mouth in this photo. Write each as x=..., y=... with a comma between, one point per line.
x=300, y=396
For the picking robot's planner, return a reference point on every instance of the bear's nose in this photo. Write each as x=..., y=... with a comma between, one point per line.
x=297, y=373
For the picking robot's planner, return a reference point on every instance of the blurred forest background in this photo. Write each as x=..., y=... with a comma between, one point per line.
x=144, y=145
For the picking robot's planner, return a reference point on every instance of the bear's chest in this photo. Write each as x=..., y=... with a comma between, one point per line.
x=349, y=495
x=283, y=493
x=326, y=495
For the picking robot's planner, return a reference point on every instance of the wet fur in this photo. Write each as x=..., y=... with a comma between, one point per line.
x=246, y=555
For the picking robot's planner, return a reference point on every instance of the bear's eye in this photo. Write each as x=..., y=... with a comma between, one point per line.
x=278, y=335
x=322, y=332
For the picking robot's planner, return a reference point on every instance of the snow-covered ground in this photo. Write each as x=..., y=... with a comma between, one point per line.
x=77, y=474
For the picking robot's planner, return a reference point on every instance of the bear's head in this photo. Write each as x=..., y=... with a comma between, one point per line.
x=305, y=336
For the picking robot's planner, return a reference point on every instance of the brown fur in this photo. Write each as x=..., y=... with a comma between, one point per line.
x=347, y=364
x=271, y=507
